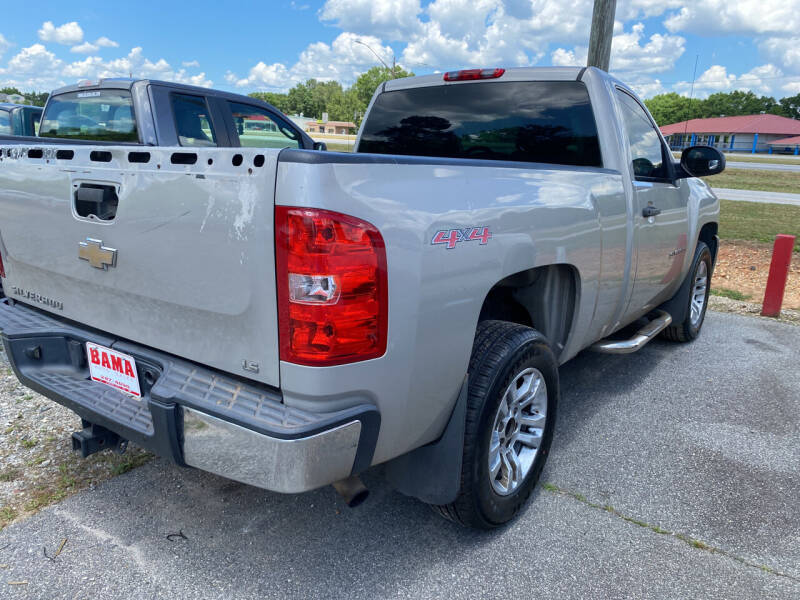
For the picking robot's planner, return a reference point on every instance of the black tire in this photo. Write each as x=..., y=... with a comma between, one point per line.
x=686, y=330
x=501, y=351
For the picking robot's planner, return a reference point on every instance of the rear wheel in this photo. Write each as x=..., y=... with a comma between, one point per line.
x=697, y=298
x=513, y=393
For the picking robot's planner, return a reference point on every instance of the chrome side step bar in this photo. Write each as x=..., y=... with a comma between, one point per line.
x=638, y=341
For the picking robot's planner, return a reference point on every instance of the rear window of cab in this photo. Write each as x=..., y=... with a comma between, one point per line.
x=525, y=121
x=103, y=115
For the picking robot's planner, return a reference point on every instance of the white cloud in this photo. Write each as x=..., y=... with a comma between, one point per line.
x=190, y=63
x=767, y=79
x=576, y=57
x=37, y=68
x=740, y=16
x=67, y=34
x=264, y=76
x=89, y=47
x=343, y=60
x=34, y=67
x=392, y=19
x=713, y=79
x=104, y=42
x=646, y=87
x=4, y=45
x=657, y=55
x=85, y=48
x=629, y=57
x=784, y=51
x=761, y=80
x=635, y=9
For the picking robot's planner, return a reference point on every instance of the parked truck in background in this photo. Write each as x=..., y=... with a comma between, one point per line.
x=19, y=119
x=122, y=111
x=289, y=318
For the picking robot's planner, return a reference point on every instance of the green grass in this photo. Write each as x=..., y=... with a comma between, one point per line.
x=758, y=180
x=737, y=157
x=334, y=147
x=728, y=293
x=782, y=160
x=758, y=222
x=7, y=514
x=9, y=475
x=131, y=463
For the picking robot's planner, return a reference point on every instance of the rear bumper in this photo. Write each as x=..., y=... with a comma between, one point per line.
x=191, y=414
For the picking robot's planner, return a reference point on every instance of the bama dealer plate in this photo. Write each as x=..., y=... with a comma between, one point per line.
x=113, y=368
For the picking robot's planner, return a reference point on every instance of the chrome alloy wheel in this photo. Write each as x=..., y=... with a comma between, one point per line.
x=699, y=292
x=517, y=431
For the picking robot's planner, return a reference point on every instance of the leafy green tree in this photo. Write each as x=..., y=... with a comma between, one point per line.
x=790, y=106
x=735, y=103
x=312, y=98
x=671, y=108
x=279, y=101
x=34, y=98
x=368, y=82
x=346, y=107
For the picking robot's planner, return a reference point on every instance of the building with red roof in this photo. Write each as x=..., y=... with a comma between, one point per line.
x=746, y=133
x=786, y=145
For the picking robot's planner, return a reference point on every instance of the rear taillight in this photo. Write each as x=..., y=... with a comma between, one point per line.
x=332, y=294
x=473, y=74
x=2, y=268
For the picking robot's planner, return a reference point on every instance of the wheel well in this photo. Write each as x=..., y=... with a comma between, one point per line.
x=543, y=298
x=708, y=234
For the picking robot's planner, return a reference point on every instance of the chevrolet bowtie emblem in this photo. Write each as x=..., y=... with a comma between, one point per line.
x=98, y=255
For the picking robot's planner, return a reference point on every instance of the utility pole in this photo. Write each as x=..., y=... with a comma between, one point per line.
x=602, y=32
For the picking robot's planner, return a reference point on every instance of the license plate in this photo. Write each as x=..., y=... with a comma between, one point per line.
x=113, y=368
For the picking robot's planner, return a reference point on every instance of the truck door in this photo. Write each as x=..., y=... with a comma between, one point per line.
x=661, y=220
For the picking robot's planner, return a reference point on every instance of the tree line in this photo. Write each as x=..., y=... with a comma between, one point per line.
x=673, y=108
x=34, y=98
x=313, y=98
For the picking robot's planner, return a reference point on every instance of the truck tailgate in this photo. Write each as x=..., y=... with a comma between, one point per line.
x=185, y=266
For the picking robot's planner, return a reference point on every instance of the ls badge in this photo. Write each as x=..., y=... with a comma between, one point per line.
x=98, y=255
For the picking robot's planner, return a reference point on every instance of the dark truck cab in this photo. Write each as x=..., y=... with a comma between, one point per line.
x=147, y=112
x=19, y=119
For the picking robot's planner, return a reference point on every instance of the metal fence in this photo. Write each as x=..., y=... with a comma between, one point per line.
x=750, y=147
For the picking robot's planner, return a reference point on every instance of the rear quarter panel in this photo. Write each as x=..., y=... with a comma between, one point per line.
x=537, y=215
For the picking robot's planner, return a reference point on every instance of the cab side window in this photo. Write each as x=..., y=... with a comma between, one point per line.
x=647, y=151
x=192, y=121
x=258, y=128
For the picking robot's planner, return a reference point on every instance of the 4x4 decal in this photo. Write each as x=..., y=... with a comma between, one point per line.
x=451, y=237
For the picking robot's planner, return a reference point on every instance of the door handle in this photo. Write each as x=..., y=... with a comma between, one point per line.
x=650, y=211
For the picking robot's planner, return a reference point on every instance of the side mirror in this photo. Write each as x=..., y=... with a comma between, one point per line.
x=320, y=146
x=702, y=161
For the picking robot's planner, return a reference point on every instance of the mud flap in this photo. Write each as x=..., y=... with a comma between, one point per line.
x=432, y=473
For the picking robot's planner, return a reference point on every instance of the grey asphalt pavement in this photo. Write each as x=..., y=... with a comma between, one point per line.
x=699, y=440
x=761, y=197
x=762, y=166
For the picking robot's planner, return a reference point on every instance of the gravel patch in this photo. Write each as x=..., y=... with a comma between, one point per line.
x=37, y=464
x=751, y=309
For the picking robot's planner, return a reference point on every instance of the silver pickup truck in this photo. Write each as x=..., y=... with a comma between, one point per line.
x=289, y=318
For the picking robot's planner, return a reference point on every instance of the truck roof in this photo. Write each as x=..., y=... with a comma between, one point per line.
x=11, y=105
x=126, y=83
x=513, y=74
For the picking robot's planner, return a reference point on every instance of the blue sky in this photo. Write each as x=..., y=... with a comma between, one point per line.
x=248, y=46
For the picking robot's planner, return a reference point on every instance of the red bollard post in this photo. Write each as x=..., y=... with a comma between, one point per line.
x=778, y=274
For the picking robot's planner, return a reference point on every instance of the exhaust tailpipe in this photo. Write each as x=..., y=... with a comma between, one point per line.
x=352, y=490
